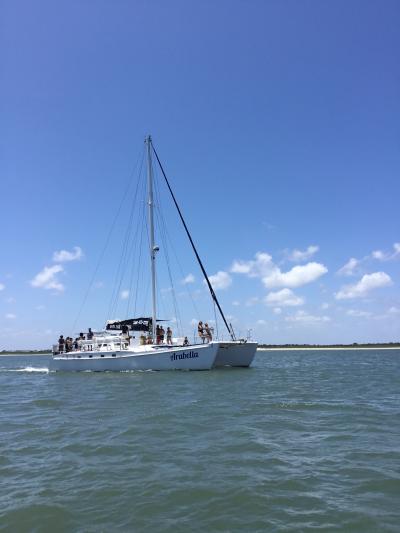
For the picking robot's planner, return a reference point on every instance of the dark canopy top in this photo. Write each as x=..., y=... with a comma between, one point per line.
x=134, y=324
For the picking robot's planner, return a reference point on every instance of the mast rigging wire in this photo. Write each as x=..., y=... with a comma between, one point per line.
x=213, y=295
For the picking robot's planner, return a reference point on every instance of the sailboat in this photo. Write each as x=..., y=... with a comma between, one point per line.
x=120, y=347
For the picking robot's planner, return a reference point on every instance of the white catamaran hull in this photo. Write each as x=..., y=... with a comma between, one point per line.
x=235, y=353
x=188, y=358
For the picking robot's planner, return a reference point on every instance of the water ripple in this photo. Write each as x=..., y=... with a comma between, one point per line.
x=303, y=441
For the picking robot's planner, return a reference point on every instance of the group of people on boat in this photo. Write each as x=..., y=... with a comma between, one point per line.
x=160, y=336
x=204, y=332
x=68, y=344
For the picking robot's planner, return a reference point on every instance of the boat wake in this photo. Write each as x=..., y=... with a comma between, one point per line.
x=26, y=369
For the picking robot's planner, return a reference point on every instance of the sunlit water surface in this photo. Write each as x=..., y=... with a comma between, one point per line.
x=302, y=441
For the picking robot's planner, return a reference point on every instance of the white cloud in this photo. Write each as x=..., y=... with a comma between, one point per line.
x=236, y=303
x=394, y=310
x=257, y=268
x=220, y=280
x=325, y=305
x=63, y=255
x=165, y=290
x=378, y=254
x=387, y=256
x=358, y=313
x=271, y=275
x=283, y=298
x=277, y=310
x=296, y=277
x=2, y=286
x=298, y=256
x=303, y=317
x=261, y=322
x=10, y=300
x=349, y=269
x=124, y=295
x=189, y=279
x=367, y=283
x=10, y=316
x=47, y=278
x=252, y=301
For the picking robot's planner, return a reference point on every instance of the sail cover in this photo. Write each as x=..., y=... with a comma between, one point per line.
x=134, y=324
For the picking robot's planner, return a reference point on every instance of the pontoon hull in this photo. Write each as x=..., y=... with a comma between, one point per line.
x=188, y=358
x=235, y=353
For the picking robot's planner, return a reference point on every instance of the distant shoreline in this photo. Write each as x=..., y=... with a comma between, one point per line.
x=7, y=354
x=319, y=348
x=353, y=346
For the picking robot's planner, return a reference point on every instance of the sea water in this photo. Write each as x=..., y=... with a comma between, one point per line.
x=302, y=441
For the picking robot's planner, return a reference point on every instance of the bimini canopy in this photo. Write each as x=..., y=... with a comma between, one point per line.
x=134, y=324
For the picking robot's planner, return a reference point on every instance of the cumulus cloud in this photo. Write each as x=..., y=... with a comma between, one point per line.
x=277, y=310
x=296, y=277
x=2, y=286
x=10, y=316
x=387, y=256
x=220, y=280
x=188, y=279
x=47, y=278
x=367, y=283
x=124, y=295
x=349, y=269
x=63, y=255
x=358, y=313
x=298, y=256
x=303, y=317
x=283, y=298
x=271, y=275
x=257, y=268
x=394, y=310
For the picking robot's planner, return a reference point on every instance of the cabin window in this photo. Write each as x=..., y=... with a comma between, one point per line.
x=113, y=355
x=102, y=355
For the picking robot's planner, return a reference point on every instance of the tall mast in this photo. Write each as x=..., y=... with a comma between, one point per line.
x=153, y=248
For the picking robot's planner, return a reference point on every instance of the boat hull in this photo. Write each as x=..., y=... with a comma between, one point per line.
x=188, y=358
x=235, y=353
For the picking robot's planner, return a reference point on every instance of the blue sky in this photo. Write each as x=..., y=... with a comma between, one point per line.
x=278, y=124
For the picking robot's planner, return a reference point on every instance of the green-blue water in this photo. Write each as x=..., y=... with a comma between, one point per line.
x=303, y=441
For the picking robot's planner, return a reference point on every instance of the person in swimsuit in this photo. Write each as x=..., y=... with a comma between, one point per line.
x=200, y=331
x=169, y=335
x=208, y=332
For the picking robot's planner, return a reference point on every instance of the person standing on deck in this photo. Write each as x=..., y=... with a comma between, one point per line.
x=169, y=335
x=125, y=333
x=200, y=331
x=208, y=332
x=61, y=344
